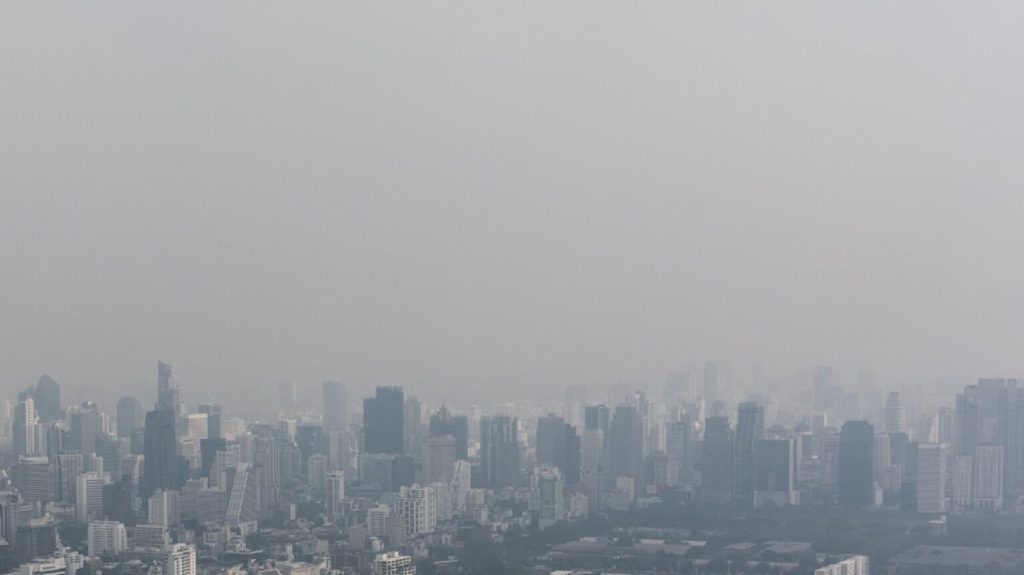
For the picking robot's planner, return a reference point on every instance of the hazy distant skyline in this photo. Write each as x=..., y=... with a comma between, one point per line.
x=520, y=193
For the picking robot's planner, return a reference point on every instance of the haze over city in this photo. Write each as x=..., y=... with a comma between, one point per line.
x=496, y=199
x=516, y=288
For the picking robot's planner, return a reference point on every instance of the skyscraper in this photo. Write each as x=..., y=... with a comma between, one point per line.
x=412, y=439
x=988, y=477
x=775, y=476
x=335, y=405
x=335, y=492
x=499, y=452
x=166, y=388
x=856, y=472
x=439, y=461
x=749, y=431
x=597, y=418
x=626, y=444
x=895, y=416
x=26, y=428
x=384, y=421
x=47, y=398
x=244, y=498
x=717, y=461
x=214, y=420
x=85, y=427
x=162, y=465
x=551, y=441
x=931, y=478
x=129, y=416
x=89, y=499
x=443, y=422
x=825, y=393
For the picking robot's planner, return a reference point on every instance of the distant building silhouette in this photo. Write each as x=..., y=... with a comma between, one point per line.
x=499, y=452
x=384, y=421
x=856, y=460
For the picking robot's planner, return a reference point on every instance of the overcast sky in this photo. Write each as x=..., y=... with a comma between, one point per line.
x=453, y=194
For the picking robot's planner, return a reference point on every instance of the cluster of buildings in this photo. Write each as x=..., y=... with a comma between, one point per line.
x=170, y=488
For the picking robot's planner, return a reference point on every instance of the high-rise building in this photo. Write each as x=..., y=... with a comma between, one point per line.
x=214, y=420
x=35, y=538
x=335, y=492
x=749, y=431
x=316, y=472
x=558, y=445
x=418, y=506
x=166, y=388
x=991, y=413
x=412, y=440
x=47, y=399
x=626, y=444
x=33, y=478
x=384, y=421
x=717, y=461
x=597, y=417
x=163, y=468
x=439, y=461
x=573, y=406
x=129, y=416
x=163, y=508
x=962, y=491
x=244, y=498
x=89, y=497
x=931, y=478
x=856, y=473
x=107, y=538
x=550, y=440
x=391, y=563
x=680, y=447
x=460, y=485
x=180, y=560
x=547, y=497
x=69, y=467
x=775, y=472
x=335, y=405
x=26, y=428
x=499, y=451
x=84, y=427
x=444, y=422
x=988, y=477
x=825, y=393
x=895, y=416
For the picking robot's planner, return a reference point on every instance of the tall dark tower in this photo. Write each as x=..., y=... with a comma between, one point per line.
x=626, y=444
x=166, y=388
x=47, y=398
x=856, y=459
x=384, y=421
x=499, y=452
x=717, y=461
x=558, y=444
x=444, y=423
x=749, y=431
x=162, y=468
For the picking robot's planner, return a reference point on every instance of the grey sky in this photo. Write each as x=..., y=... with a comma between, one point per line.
x=495, y=193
